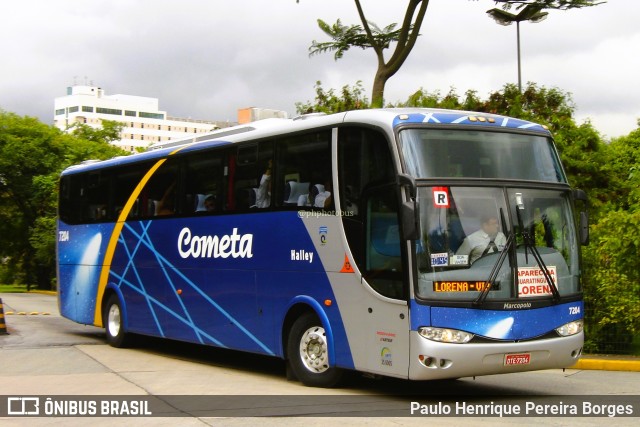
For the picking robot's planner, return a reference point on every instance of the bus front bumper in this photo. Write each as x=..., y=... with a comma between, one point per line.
x=434, y=360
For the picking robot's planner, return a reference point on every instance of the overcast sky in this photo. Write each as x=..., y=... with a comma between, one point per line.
x=205, y=59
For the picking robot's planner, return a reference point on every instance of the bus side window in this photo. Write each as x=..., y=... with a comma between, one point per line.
x=71, y=201
x=304, y=171
x=250, y=176
x=160, y=196
x=125, y=182
x=203, y=183
x=91, y=208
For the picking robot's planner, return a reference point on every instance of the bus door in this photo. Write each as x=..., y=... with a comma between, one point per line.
x=369, y=202
x=383, y=271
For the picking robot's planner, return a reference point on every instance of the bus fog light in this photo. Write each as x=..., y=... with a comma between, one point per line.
x=427, y=361
x=445, y=335
x=570, y=328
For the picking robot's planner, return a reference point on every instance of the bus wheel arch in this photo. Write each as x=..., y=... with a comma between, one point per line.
x=308, y=348
x=113, y=320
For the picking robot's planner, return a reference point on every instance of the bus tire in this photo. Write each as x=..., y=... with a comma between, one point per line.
x=308, y=353
x=116, y=335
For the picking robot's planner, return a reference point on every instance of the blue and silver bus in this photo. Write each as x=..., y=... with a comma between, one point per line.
x=410, y=243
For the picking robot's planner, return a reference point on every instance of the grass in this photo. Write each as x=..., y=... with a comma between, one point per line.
x=12, y=288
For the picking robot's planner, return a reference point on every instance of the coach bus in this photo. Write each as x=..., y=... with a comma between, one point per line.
x=409, y=243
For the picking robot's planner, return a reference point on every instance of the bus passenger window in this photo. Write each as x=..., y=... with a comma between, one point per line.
x=160, y=196
x=250, y=177
x=304, y=171
x=203, y=183
x=126, y=181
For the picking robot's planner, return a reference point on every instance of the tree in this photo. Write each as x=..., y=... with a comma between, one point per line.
x=32, y=155
x=370, y=36
x=612, y=290
x=351, y=98
x=109, y=131
x=367, y=35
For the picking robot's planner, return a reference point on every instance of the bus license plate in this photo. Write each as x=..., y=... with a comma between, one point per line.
x=517, y=359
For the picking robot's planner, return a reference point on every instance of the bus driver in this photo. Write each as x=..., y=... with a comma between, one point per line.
x=487, y=240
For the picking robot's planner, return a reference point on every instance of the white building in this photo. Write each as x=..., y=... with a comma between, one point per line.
x=144, y=123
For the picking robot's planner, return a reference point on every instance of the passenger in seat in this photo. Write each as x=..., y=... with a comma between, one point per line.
x=210, y=204
x=323, y=198
x=263, y=192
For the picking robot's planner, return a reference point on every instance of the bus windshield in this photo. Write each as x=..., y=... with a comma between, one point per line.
x=465, y=231
x=445, y=153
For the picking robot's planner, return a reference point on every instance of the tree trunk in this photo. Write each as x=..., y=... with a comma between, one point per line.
x=43, y=277
x=377, y=92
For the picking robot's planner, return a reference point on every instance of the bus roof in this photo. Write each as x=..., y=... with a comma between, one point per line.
x=384, y=117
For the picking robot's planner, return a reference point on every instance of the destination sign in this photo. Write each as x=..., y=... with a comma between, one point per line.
x=462, y=286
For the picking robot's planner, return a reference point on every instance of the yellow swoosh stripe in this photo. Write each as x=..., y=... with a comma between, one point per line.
x=115, y=235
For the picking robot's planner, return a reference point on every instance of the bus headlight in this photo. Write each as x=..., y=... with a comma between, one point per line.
x=445, y=335
x=570, y=328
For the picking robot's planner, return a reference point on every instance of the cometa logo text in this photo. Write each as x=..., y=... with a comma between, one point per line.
x=234, y=245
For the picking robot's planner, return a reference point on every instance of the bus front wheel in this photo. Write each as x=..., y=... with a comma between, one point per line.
x=308, y=353
x=116, y=335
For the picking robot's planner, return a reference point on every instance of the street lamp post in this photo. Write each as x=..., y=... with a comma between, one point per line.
x=530, y=13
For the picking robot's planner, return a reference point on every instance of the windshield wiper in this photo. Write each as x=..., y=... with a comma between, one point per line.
x=496, y=269
x=530, y=244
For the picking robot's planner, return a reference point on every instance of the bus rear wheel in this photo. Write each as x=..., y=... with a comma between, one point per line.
x=116, y=335
x=308, y=352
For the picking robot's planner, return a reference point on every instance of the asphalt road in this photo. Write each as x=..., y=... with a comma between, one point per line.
x=46, y=355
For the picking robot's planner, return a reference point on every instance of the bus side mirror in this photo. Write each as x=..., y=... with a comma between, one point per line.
x=580, y=195
x=410, y=228
x=409, y=209
x=584, y=228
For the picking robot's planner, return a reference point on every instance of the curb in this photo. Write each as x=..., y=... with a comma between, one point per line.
x=607, y=364
x=36, y=291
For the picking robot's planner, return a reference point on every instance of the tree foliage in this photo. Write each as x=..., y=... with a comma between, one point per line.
x=349, y=98
x=109, y=131
x=32, y=155
x=612, y=261
x=549, y=4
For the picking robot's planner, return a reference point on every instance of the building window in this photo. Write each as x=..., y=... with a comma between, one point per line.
x=151, y=115
x=74, y=109
x=113, y=111
x=129, y=113
x=59, y=111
